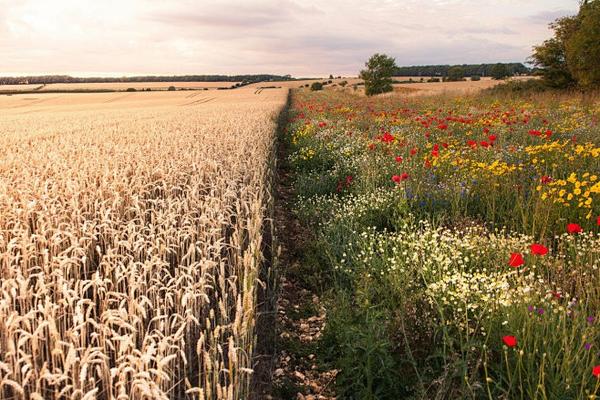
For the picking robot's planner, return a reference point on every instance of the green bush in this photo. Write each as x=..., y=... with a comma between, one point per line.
x=519, y=87
x=316, y=86
x=456, y=74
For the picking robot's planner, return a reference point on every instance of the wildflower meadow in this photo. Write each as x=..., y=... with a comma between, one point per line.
x=460, y=242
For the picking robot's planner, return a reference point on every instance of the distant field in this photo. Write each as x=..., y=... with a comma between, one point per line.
x=19, y=87
x=131, y=235
x=431, y=88
x=454, y=87
x=70, y=102
x=300, y=83
x=137, y=85
x=467, y=86
x=416, y=88
x=119, y=86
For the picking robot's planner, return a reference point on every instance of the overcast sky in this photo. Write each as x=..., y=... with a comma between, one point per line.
x=298, y=37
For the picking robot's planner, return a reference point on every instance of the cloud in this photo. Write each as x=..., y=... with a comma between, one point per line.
x=545, y=17
x=306, y=37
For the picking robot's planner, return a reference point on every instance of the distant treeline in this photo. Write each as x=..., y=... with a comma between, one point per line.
x=47, y=79
x=469, y=69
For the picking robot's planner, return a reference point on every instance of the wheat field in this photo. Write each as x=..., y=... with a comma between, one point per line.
x=131, y=231
x=117, y=86
x=136, y=85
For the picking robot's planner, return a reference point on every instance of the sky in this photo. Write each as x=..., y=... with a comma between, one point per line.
x=297, y=37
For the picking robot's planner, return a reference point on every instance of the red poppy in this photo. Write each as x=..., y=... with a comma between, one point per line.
x=556, y=294
x=516, y=260
x=371, y=146
x=548, y=133
x=486, y=130
x=535, y=132
x=387, y=138
x=472, y=143
x=413, y=151
x=510, y=341
x=492, y=138
x=546, y=179
x=574, y=228
x=399, y=159
x=400, y=178
x=483, y=143
x=322, y=124
x=598, y=221
x=538, y=249
x=596, y=371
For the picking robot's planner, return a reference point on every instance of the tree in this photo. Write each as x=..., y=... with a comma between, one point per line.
x=551, y=56
x=456, y=74
x=582, y=46
x=572, y=56
x=378, y=74
x=499, y=71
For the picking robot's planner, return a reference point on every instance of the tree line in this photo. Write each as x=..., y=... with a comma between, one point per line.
x=467, y=69
x=48, y=79
x=571, y=58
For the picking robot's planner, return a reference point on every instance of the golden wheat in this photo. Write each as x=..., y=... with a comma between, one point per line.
x=130, y=245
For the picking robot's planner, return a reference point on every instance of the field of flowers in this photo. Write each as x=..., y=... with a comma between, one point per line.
x=461, y=241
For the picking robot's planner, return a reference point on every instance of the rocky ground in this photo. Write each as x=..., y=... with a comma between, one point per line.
x=301, y=319
x=298, y=371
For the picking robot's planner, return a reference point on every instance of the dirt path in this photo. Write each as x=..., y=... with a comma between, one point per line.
x=298, y=372
x=291, y=316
